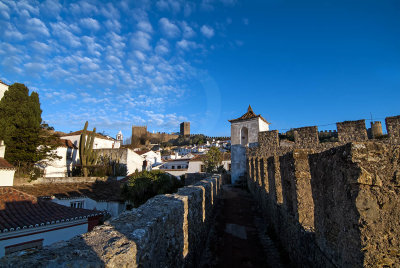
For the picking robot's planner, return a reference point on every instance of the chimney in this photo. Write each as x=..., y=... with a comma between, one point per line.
x=2, y=148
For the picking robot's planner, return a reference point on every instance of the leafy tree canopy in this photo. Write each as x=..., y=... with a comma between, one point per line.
x=213, y=159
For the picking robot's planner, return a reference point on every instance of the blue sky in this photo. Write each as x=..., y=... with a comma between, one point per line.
x=158, y=63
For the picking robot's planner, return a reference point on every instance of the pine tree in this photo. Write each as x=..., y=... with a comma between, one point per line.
x=20, y=126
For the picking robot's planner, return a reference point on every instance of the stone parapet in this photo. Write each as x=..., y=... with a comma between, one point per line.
x=167, y=231
x=337, y=205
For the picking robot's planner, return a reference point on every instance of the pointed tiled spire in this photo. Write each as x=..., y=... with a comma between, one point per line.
x=250, y=110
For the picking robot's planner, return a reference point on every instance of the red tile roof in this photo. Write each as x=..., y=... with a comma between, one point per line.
x=66, y=143
x=202, y=157
x=79, y=132
x=5, y=165
x=142, y=152
x=19, y=210
x=249, y=115
x=99, y=191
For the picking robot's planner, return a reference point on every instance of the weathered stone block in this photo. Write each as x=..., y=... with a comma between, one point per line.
x=306, y=137
x=349, y=131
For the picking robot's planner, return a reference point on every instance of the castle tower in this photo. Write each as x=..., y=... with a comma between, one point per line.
x=376, y=129
x=185, y=128
x=244, y=133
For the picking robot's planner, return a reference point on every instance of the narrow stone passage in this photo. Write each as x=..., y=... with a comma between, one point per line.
x=240, y=238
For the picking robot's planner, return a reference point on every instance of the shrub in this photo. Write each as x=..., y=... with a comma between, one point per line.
x=142, y=186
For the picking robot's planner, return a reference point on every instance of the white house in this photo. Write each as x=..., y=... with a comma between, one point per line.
x=176, y=167
x=244, y=133
x=6, y=169
x=3, y=88
x=152, y=158
x=62, y=166
x=27, y=222
x=196, y=164
x=126, y=156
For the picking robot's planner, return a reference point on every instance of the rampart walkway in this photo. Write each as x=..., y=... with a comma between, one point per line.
x=241, y=237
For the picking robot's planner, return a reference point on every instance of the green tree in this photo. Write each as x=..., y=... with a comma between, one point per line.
x=20, y=125
x=213, y=159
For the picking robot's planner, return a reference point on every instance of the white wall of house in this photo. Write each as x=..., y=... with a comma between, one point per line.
x=152, y=157
x=98, y=143
x=48, y=233
x=195, y=166
x=113, y=207
x=88, y=203
x=60, y=167
x=3, y=88
x=134, y=161
x=178, y=164
x=7, y=177
x=176, y=173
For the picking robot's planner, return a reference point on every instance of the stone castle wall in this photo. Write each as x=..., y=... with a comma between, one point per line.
x=167, y=231
x=332, y=204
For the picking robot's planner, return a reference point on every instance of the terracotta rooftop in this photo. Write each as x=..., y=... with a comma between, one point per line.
x=19, y=210
x=66, y=143
x=249, y=115
x=99, y=191
x=5, y=165
x=79, y=132
x=142, y=152
x=202, y=157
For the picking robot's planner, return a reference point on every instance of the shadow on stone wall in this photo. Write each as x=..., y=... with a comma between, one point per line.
x=167, y=231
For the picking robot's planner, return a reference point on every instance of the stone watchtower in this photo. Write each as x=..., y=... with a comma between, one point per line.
x=244, y=133
x=185, y=128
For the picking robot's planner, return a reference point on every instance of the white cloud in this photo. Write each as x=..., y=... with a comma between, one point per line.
x=168, y=28
x=187, y=31
x=92, y=47
x=145, y=26
x=41, y=47
x=187, y=45
x=12, y=33
x=37, y=26
x=141, y=56
x=162, y=47
x=51, y=7
x=169, y=5
x=4, y=11
x=113, y=25
x=141, y=40
x=90, y=23
x=207, y=31
x=61, y=30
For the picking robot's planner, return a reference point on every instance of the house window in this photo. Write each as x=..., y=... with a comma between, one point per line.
x=38, y=244
x=173, y=167
x=76, y=204
x=202, y=168
x=179, y=167
x=229, y=167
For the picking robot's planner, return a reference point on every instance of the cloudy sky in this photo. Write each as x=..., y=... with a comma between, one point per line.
x=158, y=63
